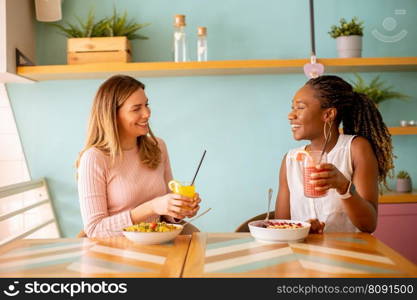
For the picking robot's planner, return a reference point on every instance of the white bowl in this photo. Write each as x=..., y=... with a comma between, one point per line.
x=278, y=235
x=150, y=238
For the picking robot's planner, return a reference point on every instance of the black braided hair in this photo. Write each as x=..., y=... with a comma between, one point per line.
x=359, y=116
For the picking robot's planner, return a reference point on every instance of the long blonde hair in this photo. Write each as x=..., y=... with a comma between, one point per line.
x=103, y=131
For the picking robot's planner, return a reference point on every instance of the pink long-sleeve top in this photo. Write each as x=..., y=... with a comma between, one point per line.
x=108, y=193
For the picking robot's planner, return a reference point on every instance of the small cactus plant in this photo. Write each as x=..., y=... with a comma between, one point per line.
x=354, y=27
x=403, y=175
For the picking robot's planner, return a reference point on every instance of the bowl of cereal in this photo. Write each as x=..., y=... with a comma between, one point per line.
x=152, y=233
x=278, y=230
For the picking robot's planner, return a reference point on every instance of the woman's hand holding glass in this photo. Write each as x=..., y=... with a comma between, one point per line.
x=329, y=177
x=176, y=205
x=195, y=205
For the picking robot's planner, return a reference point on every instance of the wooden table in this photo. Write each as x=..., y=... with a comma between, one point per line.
x=325, y=255
x=110, y=257
x=209, y=255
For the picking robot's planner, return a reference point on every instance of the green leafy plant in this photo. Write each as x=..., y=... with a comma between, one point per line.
x=376, y=90
x=354, y=27
x=116, y=25
x=87, y=28
x=403, y=175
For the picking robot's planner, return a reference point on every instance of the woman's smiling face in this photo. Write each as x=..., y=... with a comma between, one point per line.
x=306, y=116
x=133, y=115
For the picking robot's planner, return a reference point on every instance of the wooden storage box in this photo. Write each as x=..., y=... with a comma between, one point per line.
x=98, y=50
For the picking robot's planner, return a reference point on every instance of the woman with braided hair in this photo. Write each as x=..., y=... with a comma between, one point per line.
x=357, y=160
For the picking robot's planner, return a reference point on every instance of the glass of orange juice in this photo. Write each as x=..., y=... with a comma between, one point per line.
x=182, y=188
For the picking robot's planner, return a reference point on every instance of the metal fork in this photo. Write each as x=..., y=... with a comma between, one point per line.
x=196, y=217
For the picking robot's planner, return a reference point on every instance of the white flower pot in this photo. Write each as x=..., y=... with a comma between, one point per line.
x=349, y=46
x=404, y=185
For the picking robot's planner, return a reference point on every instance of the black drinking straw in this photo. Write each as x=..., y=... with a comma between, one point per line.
x=198, y=168
x=313, y=42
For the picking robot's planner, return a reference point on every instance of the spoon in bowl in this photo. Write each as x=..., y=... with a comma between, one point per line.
x=269, y=204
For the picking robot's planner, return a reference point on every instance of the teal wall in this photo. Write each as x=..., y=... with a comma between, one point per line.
x=240, y=120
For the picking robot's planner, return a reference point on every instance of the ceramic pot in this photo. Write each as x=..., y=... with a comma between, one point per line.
x=403, y=185
x=349, y=46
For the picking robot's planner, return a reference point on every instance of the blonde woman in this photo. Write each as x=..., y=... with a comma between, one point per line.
x=123, y=170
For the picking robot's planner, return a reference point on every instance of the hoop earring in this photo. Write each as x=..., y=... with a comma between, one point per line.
x=327, y=132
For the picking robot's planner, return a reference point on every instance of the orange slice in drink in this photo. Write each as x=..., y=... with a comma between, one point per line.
x=174, y=185
x=300, y=154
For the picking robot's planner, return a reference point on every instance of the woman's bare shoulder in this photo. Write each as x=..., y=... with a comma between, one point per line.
x=362, y=152
x=360, y=143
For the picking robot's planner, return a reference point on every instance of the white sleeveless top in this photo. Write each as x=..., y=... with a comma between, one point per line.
x=329, y=208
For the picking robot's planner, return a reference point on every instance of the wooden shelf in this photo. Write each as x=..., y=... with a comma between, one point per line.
x=403, y=130
x=409, y=130
x=227, y=67
x=394, y=197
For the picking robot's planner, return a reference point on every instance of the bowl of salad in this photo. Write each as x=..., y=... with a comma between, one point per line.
x=149, y=233
x=278, y=230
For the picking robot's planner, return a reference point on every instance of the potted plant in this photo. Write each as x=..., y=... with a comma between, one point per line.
x=376, y=90
x=403, y=182
x=348, y=37
x=107, y=40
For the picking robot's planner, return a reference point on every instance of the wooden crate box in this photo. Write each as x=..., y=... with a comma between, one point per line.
x=98, y=50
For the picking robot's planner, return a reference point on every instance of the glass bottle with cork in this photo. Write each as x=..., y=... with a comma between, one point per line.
x=202, y=44
x=180, y=46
